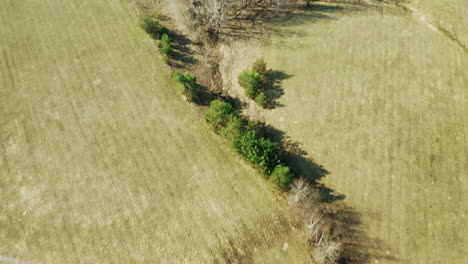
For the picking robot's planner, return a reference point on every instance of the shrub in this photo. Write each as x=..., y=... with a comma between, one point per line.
x=259, y=151
x=261, y=99
x=327, y=251
x=219, y=114
x=300, y=190
x=151, y=26
x=187, y=84
x=251, y=82
x=165, y=44
x=260, y=67
x=233, y=127
x=282, y=176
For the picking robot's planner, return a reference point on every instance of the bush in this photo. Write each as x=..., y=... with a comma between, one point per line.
x=282, y=176
x=219, y=114
x=259, y=151
x=233, y=127
x=165, y=44
x=251, y=82
x=150, y=26
x=260, y=67
x=261, y=99
x=187, y=84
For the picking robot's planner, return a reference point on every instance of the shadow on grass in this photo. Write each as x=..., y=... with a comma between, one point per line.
x=273, y=87
x=358, y=246
x=260, y=23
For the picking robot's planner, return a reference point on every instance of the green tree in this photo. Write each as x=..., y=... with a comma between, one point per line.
x=259, y=151
x=251, y=82
x=224, y=119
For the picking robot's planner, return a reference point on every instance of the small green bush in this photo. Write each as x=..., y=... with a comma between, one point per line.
x=259, y=151
x=165, y=44
x=261, y=99
x=251, y=82
x=218, y=114
x=187, y=84
x=282, y=176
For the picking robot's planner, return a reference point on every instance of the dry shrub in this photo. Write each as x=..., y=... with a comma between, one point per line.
x=320, y=230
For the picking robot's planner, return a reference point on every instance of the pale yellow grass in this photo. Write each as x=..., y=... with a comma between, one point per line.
x=101, y=161
x=382, y=102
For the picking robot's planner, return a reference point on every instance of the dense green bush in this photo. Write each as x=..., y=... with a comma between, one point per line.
x=251, y=82
x=165, y=44
x=224, y=119
x=282, y=176
x=259, y=151
x=187, y=84
x=261, y=99
x=264, y=154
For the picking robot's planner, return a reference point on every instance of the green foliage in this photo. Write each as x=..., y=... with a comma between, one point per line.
x=233, y=127
x=219, y=114
x=164, y=58
x=259, y=151
x=251, y=82
x=187, y=84
x=165, y=44
x=151, y=26
x=282, y=176
x=261, y=99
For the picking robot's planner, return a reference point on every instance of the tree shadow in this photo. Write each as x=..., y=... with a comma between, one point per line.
x=358, y=247
x=182, y=55
x=258, y=23
x=273, y=87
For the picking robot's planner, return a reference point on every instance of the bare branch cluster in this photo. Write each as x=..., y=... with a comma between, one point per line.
x=211, y=15
x=321, y=232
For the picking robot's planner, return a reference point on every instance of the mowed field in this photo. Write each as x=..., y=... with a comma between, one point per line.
x=102, y=162
x=381, y=101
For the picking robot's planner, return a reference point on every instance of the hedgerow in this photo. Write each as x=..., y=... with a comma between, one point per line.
x=243, y=135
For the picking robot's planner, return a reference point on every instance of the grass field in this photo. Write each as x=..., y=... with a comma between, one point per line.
x=381, y=101
x=450, y=14
x=102, y=162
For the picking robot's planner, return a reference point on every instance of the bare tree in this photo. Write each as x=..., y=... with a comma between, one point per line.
x=327, y=251
x=211, y=15
x=323, y=238
x=300, y=189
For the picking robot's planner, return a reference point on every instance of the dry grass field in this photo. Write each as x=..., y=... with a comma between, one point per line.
x=102, y=162
x=450, y=14
x=381, y=101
